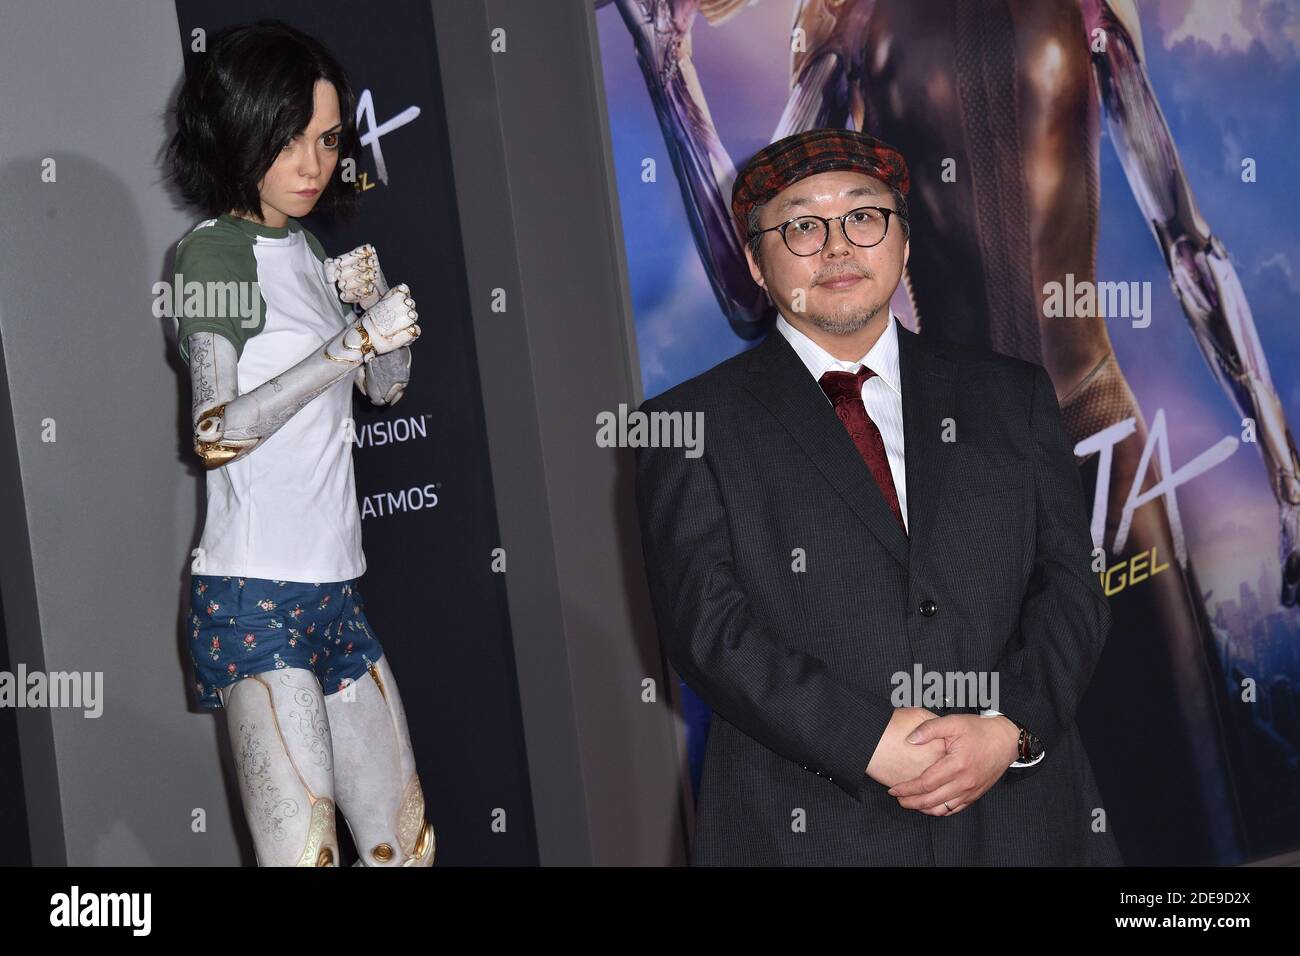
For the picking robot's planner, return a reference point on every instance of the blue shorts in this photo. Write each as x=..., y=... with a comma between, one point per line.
x=243, y=626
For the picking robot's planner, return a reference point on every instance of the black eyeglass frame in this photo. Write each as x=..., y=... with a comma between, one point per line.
x=826, y=228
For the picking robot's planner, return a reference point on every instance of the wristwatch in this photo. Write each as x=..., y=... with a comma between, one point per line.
x=1029, y=746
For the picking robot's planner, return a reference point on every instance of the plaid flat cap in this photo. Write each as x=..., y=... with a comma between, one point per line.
x=805, y=154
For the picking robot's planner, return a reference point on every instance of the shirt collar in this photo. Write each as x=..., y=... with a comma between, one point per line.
x=881, y=358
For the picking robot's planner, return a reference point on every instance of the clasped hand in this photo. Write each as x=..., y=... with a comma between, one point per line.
x=926, y=760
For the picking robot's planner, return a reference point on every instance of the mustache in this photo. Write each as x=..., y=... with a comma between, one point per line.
x=843, y=274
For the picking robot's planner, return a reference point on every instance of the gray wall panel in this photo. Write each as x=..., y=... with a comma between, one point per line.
x=111, y=507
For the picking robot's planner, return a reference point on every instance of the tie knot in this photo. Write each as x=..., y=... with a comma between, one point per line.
x=840, y=386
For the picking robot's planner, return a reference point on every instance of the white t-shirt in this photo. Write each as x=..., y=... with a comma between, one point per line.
x=286, y=511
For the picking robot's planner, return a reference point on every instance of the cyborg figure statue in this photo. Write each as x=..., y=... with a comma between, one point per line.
x=296, y=748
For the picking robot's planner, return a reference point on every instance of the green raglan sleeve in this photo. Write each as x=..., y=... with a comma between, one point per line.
x=219, y=291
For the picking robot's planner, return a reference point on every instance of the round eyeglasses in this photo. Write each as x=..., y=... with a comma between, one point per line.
x=865, y=226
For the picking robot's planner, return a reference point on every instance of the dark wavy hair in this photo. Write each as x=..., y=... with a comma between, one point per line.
x=241, y=103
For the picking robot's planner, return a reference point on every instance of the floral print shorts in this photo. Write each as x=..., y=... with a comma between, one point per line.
x=243, y=626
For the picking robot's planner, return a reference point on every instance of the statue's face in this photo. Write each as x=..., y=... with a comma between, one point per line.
x=306, y=163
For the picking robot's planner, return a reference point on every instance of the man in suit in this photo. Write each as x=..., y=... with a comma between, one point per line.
x=872, y=506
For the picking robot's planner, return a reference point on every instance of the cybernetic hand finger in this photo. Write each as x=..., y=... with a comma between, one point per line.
x=357, y=276
x=390, y=324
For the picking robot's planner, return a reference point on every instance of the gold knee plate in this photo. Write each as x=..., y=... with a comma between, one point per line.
x=410, y=816
x=414, y=833
x=316, y=852
x=427, y=842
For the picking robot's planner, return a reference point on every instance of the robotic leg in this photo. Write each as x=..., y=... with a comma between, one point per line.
x=378, y=789
x=281, y=732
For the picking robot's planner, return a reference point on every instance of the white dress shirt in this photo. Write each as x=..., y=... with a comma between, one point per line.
x=882, y=394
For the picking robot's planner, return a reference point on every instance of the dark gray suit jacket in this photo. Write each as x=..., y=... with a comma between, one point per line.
x=797, y=666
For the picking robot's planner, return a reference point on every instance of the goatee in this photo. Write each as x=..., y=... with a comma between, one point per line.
x=834, y=325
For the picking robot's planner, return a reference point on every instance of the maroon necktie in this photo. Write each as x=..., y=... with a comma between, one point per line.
x=844, y=389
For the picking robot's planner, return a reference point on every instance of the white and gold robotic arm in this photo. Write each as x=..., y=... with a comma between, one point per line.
x=228, y=425
x=661, y=36
x=358, y=278
x=826, y=44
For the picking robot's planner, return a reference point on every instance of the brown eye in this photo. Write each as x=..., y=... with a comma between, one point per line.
x=335, y=136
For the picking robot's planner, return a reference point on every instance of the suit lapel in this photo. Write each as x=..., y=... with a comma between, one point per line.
x=928, y=381
x=780, y=380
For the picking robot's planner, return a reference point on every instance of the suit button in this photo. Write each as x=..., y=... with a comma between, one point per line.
x=928, y=608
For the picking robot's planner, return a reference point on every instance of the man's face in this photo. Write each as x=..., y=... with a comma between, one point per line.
x=805, y=288
x=305, y=164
